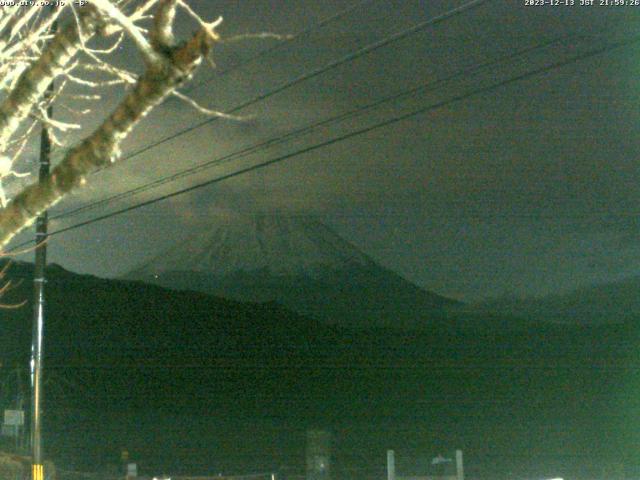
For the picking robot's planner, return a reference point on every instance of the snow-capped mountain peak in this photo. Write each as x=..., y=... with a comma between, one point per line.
x=297, y=262
x=269, y=243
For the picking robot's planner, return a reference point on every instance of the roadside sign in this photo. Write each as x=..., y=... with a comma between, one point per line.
x=14, y=417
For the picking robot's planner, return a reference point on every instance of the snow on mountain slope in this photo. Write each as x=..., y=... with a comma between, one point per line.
x=275, y=244
x=297, y=262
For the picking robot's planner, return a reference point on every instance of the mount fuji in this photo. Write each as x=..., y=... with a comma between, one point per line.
x=299, y=263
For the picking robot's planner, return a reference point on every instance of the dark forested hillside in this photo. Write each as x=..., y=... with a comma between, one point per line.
x=237, y=383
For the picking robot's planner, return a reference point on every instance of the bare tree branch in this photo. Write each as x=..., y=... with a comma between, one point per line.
x=34, y=81
x=110, y=10
x=163, y=29
x=161, y=78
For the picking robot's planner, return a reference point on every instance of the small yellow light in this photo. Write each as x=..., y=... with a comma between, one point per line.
x=37, y=472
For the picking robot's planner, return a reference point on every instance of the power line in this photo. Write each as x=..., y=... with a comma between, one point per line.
x=314, y=73
x=282, y=43
x=353, y=134
x=423, y=88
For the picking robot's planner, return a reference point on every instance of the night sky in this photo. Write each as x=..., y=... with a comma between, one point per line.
x=525, y=189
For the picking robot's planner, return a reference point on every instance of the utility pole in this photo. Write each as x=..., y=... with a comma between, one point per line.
x=38, y=314
x=37, y=469
x=459, y=466
x=391, y=465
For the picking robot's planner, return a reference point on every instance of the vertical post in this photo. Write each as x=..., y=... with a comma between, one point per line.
x=391, y=465
x=37, y=471
x=38, y=318
x=18, y=407
x=459, y=466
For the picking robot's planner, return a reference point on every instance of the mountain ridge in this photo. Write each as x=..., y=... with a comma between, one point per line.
x=298, y=262
x=610, y=302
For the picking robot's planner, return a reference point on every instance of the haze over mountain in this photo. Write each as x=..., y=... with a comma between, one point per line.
x=297, y=262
